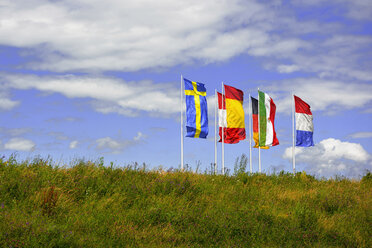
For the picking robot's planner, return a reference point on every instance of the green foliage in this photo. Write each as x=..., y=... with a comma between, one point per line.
x=91, y=205
x=240, y=165
x=367, y=179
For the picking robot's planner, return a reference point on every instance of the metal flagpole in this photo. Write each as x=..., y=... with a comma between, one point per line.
x=181, y=122
x=259, y=132
x=293, y=135
x=223, y=133
x=259, y=159
x=215, y=131
x=250, y=114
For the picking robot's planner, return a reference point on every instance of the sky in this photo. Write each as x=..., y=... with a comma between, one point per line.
x=85, y=79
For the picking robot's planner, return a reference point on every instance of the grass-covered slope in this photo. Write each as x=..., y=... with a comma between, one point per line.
x=89, y=205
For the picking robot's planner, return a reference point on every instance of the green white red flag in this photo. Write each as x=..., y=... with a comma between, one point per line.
x=266, y=112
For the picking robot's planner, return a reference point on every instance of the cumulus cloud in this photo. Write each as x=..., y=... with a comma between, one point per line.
x=20, y=144
x=140, y=136
x=6, y=103
x=355, y=9
x=113, y=95
x=361, y=135
x=333, y=157
x=287, y=68
x=107, y=94
x=63, y=119
x=322, y=94
x=327, y=58
x=58, y=135
x=115, y=146
x=131, y=35
x=73, y=144
x=14, y=131
x=109, y=143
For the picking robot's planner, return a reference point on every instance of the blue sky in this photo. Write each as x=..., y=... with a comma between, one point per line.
x=90, y=79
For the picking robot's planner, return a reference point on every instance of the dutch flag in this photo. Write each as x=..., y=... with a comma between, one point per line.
x=304, y=123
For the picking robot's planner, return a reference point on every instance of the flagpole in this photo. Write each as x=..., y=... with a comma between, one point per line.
x=223, y=133
x=215, y=131
x=181, y=122
x=259, y=133
x=293, y=135
x=250, y=114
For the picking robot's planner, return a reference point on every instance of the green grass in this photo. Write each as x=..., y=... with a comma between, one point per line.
x=90, y=205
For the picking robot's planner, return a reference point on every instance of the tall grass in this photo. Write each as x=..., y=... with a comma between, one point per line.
x=90, y=205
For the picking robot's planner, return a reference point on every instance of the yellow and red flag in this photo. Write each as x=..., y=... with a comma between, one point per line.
x=231, y=115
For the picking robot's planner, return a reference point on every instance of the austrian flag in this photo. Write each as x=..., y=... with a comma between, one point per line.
x=304, y=123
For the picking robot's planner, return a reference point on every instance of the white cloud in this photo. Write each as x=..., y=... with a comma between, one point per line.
x=287, y=68
x=131, y=35
x=322, y=94
x=140, y=136
x=63, y=119
x=112, y=95
x=361, y=135
x=138, y=34
x=58, y=135
x=280, y=48
x=360, y=9
x=5, y=102
x=109, y=94
x=20, y=144
x=333, y=157
x=328, y=59
x=110, y=145
x=356, y=9
x=14, y=131
x=73, y=144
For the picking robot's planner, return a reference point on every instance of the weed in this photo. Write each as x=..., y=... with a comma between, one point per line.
x=49, y=201
x=89, y=204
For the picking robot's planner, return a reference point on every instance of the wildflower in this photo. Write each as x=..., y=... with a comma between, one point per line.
x=2, y=205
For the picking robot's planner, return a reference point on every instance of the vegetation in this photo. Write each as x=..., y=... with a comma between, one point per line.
x=90, y=205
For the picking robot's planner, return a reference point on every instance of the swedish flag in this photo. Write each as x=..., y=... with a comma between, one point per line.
x=196, y=109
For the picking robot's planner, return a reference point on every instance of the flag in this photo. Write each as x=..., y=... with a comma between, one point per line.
x=254, y=102
x=231, y=115
x=266, y=112
x=304, y=123
x=196, y=109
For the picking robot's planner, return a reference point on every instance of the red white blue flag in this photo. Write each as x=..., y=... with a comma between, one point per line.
x=304, y=123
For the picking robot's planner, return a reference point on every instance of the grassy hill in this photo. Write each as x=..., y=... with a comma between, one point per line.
x=89, y=205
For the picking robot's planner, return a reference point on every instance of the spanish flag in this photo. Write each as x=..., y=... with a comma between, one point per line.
x=231, y=115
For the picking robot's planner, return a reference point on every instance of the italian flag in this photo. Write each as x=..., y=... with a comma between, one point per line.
x=266, y=112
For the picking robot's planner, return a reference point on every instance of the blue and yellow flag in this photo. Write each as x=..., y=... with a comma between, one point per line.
x=196, y=109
